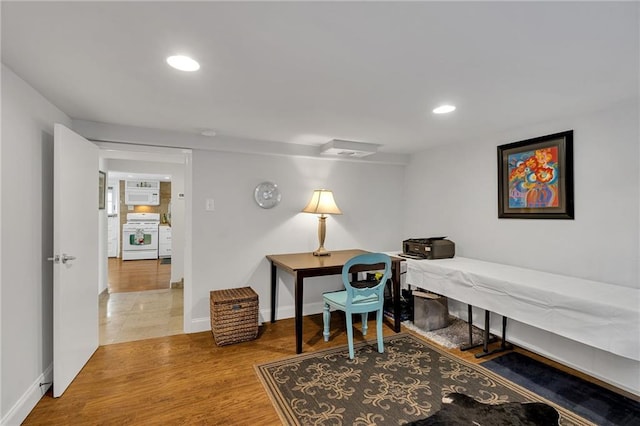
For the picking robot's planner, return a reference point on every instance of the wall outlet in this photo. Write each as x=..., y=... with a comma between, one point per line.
x=209, y=205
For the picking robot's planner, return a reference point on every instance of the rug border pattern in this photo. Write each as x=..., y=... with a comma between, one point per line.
x=287, y=417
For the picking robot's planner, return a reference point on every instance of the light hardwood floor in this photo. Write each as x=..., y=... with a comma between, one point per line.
x=186, y=379
x=138, y=275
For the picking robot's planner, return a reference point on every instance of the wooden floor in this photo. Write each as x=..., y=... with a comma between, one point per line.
x=186, y=379
x=138, y=275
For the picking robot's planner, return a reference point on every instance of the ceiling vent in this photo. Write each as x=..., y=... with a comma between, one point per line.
x=350, y=149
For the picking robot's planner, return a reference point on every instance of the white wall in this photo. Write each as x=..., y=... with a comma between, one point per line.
x=27, y=240
x=176, y=171
x=453, y=191
x=230, y=243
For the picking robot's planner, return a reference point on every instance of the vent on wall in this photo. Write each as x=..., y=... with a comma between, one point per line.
x=342, y=148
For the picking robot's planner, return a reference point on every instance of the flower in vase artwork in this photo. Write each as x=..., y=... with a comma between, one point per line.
x=533, y=178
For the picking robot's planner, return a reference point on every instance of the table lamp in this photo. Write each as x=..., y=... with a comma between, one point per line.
x=322, y=203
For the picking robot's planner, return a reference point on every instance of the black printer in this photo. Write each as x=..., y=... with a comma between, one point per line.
x=428, y=248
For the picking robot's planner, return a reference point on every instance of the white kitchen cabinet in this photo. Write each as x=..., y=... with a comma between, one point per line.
x=113, y=227
x=164, y=241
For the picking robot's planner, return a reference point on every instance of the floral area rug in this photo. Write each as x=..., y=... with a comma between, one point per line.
x=405, y=383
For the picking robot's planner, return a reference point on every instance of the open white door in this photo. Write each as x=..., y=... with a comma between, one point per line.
x=75, y=251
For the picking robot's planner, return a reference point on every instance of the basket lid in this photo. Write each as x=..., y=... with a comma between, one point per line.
x=233, y=294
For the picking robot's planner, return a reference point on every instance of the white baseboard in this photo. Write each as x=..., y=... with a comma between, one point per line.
x=200, y=324
x=21, y=409
x=290, y=311
x=630, y=386
x=204, y=324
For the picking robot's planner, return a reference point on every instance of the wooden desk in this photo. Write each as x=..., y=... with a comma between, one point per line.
x=303, y=265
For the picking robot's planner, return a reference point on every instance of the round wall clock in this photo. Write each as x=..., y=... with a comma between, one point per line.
x=267, y=195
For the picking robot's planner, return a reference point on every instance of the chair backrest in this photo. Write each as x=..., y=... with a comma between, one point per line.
x=376, y=261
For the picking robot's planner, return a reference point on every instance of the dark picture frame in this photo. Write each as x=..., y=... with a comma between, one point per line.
x=535, y=178
x=102, y=186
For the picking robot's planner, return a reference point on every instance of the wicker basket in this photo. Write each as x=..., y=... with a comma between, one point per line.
x=234, y=315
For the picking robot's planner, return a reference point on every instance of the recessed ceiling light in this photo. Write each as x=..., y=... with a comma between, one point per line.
x=208, y=132
x=183, y=63
x=443, y=109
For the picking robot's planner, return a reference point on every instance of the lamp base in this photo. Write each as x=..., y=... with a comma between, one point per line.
x=321, y=251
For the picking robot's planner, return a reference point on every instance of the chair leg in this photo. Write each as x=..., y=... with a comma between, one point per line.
x=379, y=331
x=365, y=323
x=350, y=333
x=326, y=318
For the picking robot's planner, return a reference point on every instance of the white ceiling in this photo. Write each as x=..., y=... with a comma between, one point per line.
x=309, y=72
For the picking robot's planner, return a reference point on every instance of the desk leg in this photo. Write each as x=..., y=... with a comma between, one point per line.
x=395, y=279
x=298, y=297
x=470, y=322
x=273, y=292
x=505, y=346
x=484, y=342
x=470, y=319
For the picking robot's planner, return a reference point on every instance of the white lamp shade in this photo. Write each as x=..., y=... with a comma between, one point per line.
x=322, y=202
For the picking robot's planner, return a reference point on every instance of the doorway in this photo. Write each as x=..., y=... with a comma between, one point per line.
x=142, y=298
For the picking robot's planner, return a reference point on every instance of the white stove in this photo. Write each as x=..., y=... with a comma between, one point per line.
x=140, y=236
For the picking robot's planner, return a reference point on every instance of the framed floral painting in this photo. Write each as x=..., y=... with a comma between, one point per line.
x=535, y=178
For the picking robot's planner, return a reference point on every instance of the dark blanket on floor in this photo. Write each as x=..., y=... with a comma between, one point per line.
x=595, y=403
x=459, y=409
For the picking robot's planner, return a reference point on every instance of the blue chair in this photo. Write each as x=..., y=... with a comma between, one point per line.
x=359, y=297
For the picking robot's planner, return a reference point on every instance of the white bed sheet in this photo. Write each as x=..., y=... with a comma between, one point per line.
x=602, y=315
